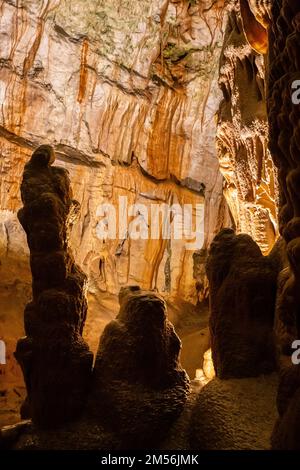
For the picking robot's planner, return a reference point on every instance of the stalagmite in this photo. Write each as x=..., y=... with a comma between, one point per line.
x=55, y=360
x=137, y=373
x=242, y=302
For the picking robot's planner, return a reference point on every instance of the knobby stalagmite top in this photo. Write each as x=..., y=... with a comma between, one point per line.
x=137, y=373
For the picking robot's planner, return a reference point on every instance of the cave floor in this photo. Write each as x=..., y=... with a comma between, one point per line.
x=234, y=414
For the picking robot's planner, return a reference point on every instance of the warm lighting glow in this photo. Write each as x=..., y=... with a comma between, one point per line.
x=205, y=375
x=208, y=366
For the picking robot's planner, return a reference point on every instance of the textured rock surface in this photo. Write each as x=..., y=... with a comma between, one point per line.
x=138, y=389
x=231, y=414
x=126, y=93
x=242, y=137
x=242, y=303
x=86, y=435
x=137, y=375
x=55, y=361
x=286, y=431
x=284, y=120
x=235, y=414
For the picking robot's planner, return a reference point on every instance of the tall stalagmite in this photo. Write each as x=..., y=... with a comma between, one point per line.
x=242, y=303
x=55, y=360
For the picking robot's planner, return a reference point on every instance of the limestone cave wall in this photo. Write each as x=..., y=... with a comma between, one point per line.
x=126, y=94
x=242, y=137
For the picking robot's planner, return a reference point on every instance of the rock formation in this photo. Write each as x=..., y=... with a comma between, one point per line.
x=235, y=414
x=242, y=303
x=285, y=434
x=126, y=94
x=256, y=17
x=137, y=375
x=55, y=360
x=284, y=121
x=242, y=136
x=138, y=388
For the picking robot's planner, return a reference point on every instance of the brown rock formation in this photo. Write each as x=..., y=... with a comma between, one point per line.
x=256, y=17
x=126, y=93
x=242, y=136
x=284, y=120
x=137, y=374
x=242, y=302
x=55, y=360
x=285, y=434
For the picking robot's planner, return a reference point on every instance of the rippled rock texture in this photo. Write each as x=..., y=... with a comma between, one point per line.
x=284, y=119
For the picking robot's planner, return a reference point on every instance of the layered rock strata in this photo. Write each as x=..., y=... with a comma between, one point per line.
x=55, y=360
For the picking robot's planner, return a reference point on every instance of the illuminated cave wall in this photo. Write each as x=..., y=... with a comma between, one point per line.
x=242, y=138
x=127, y=94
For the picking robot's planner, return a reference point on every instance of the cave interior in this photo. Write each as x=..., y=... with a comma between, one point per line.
x=150, y=202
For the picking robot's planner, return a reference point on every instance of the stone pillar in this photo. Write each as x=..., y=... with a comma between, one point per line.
x=55, y=360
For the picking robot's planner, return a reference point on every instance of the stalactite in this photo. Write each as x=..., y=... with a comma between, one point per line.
x=242, y=135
